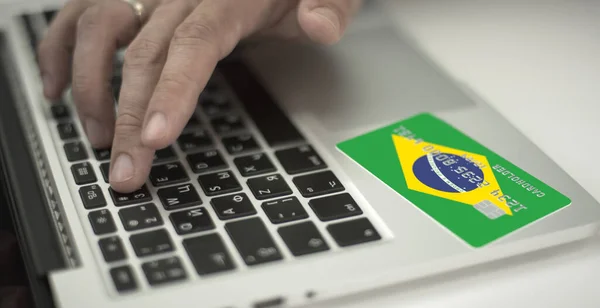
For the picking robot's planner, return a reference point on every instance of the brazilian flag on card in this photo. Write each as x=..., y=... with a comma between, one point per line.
x=470, y=190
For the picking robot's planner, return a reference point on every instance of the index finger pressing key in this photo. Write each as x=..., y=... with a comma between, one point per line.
x=205, y=37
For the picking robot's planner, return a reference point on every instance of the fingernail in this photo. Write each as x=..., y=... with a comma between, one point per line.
x=328, y=15
x=156, y=127
x=122, y=169
x=95, y=131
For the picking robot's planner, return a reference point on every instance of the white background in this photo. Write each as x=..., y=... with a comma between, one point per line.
x=538, y=63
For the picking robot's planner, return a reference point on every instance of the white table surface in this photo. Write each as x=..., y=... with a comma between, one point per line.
x=538, y=63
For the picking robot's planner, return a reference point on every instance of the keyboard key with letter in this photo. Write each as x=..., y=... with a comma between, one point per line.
x=206, y=161
x=177, y=197
x=123, y=278
x=300, y=159
x=194, y=141
x=67, y=131
x=353, y=232
x=92, y=197
x=151, y=243
x=303, y=238
x=163, y=155
x=227, y=124
x=138, y=196
x=270, y=186
x=60, y=111
x=253, y=241
x=284, y=210
x=164, y=271
x=240, y=144
x=191, y=221
x=112, y=249
x=83, y=173
x=140, y=217
x=233, y=206
x=317, y=184
x=75, y=151
x=335, y=207
x=219, y=183
x=208, y=254
x=102, y=222
x=167, y=174
x=102, y=154
x=255, y=164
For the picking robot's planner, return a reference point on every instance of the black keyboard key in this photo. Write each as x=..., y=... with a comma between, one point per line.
x=164, y=271
x=112, y=249
x=83, y=173
x=49, y=15
x=168, y=174
x=105, y=170
x=28, y=20
x=60, y=111
x=353, y=232
x=233, y=206
x=140, y=217
x=67, y=131
x=138, y=196
x=284, y=210
x=272, y=122
x=270, y=186
x=227, y=124
x=255, y=164
x=177, y=197
x=192, y=123
x=240, y=144
x=253, y=241
x=194, y=141
x=206, y=161
x=214, y=105
x=151, y=243
x=102, y=222
x=208, y=254
x=219, y=183
x=192, y=221
x=303, y=238
x=317, y=184
x=335, y=207
x=164, y=155
x=92, y=197
x=300, y=159
x=102, y=154
x=123, y=278
x=75, y=151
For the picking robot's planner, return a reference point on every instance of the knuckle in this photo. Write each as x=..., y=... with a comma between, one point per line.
x=195, y=34
x=128, y=122
x=172, y=83
x=143, y=52
x=90, y=19
x=81, y=87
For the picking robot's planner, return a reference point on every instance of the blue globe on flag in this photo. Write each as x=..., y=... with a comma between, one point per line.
x=450, y=176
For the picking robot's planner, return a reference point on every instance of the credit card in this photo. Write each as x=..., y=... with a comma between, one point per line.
x=470, y=190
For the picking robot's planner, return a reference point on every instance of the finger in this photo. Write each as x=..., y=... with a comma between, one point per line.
x=324, y=21
x=100, y=31
x=54, y=50
x=144, y=60
x=205, y=37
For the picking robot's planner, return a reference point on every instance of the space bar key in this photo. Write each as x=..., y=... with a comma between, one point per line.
x=271, y=121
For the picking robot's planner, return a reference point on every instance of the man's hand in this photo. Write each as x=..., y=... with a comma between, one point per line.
x=167, y=64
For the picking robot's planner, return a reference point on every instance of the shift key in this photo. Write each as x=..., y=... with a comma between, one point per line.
x=253, y=241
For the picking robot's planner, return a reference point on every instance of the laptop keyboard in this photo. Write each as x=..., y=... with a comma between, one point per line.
x=239, y=180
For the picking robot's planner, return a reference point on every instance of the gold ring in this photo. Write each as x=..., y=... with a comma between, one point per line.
x=138, y=9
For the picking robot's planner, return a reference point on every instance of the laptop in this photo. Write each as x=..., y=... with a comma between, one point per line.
x=307, y=174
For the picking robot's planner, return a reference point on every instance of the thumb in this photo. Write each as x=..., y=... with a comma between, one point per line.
x=324, y=21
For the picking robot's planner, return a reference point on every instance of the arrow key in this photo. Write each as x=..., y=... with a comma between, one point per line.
x=233, y=206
